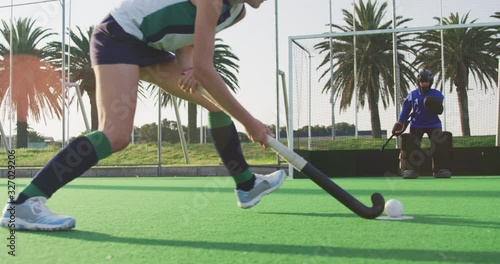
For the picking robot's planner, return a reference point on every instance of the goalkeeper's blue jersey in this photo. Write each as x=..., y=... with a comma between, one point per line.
x=413, y=107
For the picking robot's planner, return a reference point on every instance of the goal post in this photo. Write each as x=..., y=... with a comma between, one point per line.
x=310, y=107
x=497, y=143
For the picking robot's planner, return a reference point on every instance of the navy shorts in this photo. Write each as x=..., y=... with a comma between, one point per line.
x=110, y=44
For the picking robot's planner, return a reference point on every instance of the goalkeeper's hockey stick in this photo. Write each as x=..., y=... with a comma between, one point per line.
x=405, y=125
x=385, y=144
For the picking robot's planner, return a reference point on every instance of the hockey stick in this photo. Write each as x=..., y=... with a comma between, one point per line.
x=405, y=125
x=328, y=185
x=321, y=179
x=385, y=144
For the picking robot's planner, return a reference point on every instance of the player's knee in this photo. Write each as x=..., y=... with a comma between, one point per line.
x=119, y=140
x=122, y=143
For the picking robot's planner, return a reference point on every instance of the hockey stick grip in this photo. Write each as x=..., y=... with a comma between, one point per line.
x=293, y=158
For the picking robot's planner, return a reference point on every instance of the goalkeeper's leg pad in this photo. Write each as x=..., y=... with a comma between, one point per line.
x=411, y=156
x=442, y=143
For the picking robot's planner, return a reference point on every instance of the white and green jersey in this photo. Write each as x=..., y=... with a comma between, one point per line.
x=167, y=24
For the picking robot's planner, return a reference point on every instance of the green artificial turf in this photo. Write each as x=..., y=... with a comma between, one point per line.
x=195, y=220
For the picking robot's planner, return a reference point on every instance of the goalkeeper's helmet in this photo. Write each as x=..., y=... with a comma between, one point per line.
x=425, y=76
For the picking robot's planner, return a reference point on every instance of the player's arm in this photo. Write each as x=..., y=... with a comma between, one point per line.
x=204, y=44
x=184, y=57
x=402, y=123
x=405, y=110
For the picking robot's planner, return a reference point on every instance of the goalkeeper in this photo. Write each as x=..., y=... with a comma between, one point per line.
x=425, y=105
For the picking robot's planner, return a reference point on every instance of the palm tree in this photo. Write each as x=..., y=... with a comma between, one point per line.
x=80, y=67
x=35, y=83
x=374, y=60
x=225, y=63
x=467, y=52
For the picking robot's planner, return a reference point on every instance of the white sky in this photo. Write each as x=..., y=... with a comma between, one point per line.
x=252, y=40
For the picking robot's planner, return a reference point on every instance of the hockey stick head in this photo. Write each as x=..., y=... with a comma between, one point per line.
x=377, y=209
x=329, y=186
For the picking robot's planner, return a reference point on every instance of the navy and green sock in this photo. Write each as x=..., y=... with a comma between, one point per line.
x=70, y=163
x=227, y=143
x=84, y=152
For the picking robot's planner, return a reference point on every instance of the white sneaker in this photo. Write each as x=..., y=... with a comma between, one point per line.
x=33, y=215
x=264, y=184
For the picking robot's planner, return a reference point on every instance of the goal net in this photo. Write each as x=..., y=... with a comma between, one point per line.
x=341, y=97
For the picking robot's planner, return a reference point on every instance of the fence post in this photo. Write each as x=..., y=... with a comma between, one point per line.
x=498, y=108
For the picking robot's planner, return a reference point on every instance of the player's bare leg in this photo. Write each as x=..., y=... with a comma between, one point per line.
x=116, y=99
x=116, y=102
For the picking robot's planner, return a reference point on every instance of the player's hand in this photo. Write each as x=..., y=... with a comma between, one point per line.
x=257, y=132
x=398, y=129
x=187, y=82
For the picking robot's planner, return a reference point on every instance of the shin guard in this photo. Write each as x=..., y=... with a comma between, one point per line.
x=411, y=156
x=442, y=143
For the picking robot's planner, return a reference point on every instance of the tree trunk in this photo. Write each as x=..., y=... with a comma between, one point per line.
x=22, y=134
x=192, y=129
x=374, y=116
x=463, y=106
x=94, y=117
